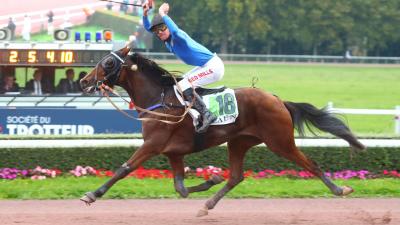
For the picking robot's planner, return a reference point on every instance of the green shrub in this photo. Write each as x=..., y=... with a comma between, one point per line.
x=258, y=158
x=123, y=24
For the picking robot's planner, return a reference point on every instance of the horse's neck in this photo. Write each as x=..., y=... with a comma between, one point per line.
x=144, y=92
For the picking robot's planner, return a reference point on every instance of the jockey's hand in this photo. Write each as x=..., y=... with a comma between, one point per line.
x=163, y=10
x=146, y=8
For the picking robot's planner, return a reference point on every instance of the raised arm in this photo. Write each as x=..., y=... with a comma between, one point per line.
x=146, y=22
x=163, y=11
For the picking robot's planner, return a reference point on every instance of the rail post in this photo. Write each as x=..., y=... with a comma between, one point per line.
x=329, y=106
x=397, y=120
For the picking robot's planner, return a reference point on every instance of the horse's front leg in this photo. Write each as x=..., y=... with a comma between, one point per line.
x=176, y=162
x=141, y=155
x=179, y=173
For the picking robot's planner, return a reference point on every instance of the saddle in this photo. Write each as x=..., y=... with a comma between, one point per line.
x=208, y=91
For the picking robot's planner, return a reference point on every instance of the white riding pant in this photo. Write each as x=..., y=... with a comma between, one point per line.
x=199, y=76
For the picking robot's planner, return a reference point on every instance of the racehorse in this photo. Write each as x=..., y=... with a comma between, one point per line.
x=263, y=118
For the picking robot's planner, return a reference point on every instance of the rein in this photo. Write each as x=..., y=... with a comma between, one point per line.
x=116, y=71
x=105, y=89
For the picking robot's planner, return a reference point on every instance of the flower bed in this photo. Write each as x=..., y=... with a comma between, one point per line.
x=375, y=160
x=39, y=173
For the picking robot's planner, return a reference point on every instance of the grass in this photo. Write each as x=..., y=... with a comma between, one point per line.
x=368, y=87
x=347, y=86
x=74, y=188
x=374, y=87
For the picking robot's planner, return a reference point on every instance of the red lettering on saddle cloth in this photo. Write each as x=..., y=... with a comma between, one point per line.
x=205, y=73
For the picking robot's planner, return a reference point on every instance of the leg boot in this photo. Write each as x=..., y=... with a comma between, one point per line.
x=206, y=116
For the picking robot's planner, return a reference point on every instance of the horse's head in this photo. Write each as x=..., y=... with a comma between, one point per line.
x=143, y=79
x=108, y=71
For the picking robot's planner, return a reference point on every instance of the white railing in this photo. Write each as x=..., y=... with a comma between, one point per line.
x=66, y=101
x=60, y=14
x=395, y=112
x=112, y=143
x=99, y=102
x=287, y=58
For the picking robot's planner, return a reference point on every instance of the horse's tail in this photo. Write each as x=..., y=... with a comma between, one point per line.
x=304, y=113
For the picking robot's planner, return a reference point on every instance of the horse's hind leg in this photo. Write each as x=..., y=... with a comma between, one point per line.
x=177, y=165
x=284, y=145
x=237, y=149
x=214, y=180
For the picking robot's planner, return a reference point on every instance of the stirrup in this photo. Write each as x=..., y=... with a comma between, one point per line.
x=204, y=126
x=202, y=129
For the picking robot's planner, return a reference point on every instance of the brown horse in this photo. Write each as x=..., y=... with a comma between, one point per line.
x=263, y=118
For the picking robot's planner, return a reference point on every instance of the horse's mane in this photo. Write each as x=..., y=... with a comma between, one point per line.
x=149, y=67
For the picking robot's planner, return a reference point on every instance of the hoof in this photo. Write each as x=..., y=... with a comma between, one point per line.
x=88, y=198
x=202, y=212
x=184, y=193
x=346, y=190
x=217, y=179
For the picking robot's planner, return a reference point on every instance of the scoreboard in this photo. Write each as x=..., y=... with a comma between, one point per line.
x=50, y=57
x=53, y=54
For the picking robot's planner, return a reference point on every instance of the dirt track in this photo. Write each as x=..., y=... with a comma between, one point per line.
x=182, y=212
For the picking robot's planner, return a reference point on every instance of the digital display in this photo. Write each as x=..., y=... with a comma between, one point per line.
x=51, y=57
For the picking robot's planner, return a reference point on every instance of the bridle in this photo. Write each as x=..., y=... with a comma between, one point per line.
x=112, y=65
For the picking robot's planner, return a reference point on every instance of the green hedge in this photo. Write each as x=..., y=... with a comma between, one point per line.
x=123, y=24
x=330, y=159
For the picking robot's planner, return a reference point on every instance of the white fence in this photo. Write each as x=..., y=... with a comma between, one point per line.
x=98, y=102
x=288, y=58
x=395, y=112
x=112, y=143
x=39, y=19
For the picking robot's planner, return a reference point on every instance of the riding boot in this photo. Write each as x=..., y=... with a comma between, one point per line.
x=206, y=116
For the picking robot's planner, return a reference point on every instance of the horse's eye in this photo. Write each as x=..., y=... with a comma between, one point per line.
x=108, y=63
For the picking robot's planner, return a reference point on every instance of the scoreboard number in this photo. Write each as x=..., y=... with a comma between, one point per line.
x=50, y=56
x=67, y=57
x=32, y=56
x=13, y=57
x=55, y=57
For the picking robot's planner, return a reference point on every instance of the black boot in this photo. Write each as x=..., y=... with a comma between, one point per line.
x=206, y=116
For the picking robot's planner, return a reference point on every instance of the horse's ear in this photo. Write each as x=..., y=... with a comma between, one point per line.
x=125, y=50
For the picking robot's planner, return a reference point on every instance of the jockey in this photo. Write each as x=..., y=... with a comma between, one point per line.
x=208, y=69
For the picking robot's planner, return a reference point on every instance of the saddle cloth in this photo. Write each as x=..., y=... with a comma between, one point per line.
x=220, y=101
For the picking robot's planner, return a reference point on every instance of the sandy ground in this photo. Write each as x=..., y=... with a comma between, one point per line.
x=182, y=212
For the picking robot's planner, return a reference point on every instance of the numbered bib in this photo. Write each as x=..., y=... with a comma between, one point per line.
x=223, y=105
